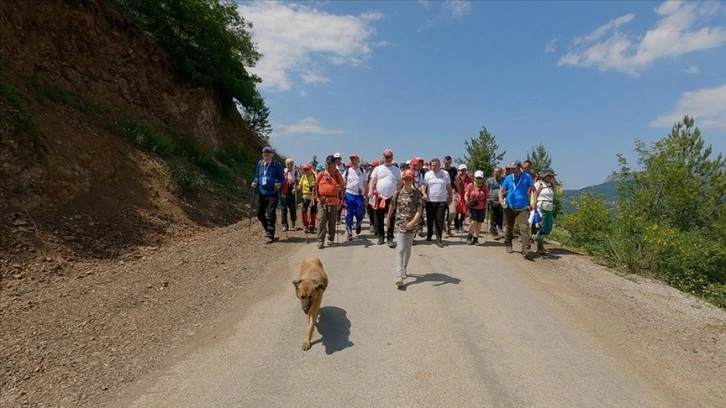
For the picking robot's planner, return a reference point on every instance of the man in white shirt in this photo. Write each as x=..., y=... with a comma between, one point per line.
x=356, y=192
x=438, y=197
x=339, y=162
x=385, y=180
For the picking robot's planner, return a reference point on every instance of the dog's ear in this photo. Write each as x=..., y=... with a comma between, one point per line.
x=296, y=282
x=319, y=286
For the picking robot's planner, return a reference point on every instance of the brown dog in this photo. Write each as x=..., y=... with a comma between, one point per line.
x=309, y=288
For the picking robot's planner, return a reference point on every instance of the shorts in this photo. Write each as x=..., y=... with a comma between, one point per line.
x=476, y=215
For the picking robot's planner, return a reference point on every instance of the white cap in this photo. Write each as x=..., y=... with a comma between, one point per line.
x=462, y=166
x=478, y=173
x=408, y=161
x=337, y=155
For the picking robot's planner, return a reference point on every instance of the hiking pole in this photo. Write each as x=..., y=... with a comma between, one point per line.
x=252, y=196
x=283, y=204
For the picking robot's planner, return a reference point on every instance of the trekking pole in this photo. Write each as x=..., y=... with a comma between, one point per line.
x=281, y=204
x=252, y=196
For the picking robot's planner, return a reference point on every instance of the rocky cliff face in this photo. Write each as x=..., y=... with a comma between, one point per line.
x=71, y=74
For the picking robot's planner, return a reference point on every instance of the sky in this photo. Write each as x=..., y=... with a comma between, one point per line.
x=585, y=79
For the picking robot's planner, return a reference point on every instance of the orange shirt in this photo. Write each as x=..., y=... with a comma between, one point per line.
x=326, y=185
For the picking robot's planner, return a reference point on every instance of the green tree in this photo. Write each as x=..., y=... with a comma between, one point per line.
x=540, y=158
x=678, y=184
x=257, y=117
x=314, y=161
x=481, y=153
x=209, y=41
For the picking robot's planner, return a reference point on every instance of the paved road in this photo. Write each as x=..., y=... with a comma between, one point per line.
x=475, y=327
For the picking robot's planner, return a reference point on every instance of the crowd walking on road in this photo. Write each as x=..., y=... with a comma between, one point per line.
x=401, y=201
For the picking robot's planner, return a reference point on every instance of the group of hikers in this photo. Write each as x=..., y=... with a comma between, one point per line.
x=402, y=200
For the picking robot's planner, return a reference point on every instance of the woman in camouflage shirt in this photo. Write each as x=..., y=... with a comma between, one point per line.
x=408, y=204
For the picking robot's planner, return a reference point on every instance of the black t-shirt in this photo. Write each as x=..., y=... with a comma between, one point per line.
x=452, y=175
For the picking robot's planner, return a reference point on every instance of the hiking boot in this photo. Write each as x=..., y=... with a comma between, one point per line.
x=293, y=225
x=321, y=245
x=469, y=239
x=371, y=229
x=350, y=237
x=331, y=242
x=439, y=243
x=497, y=237
x=269, y=239
x=476, y=240
x=285, y=228
x=380, y=240
x=357, y=229
x=527, y=252
x=428, y=239
x=391, y=243
x=541, y=251
x=508, y=247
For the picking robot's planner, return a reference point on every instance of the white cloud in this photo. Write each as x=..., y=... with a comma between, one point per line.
x=692, y=70
x=384, y=43
x=307, y=126
x=294, y=38
x=678, y=32
x=458, y=8
x=424, y=3
x=551, y=46
x=707, y=106
x=314, y=78
x=450, y=10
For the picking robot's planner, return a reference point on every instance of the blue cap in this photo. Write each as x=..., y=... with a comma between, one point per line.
x=319, y=167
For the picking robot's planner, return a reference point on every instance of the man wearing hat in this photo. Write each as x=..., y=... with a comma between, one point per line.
x=329, y=185
x=513, y=195
x=339, y=162
x=356, y=191
x=268, y=180
x=385, y=180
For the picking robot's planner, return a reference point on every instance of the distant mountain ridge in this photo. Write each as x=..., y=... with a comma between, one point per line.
x=607, y=190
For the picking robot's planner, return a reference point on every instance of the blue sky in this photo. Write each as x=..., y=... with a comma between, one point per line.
x=421, y=77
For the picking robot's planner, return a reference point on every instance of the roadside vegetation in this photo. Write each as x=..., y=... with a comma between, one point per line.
x=669, y=220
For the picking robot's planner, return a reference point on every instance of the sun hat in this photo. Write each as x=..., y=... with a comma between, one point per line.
x=547, y=172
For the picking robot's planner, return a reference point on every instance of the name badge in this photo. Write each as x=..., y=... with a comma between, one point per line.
x=264, y=180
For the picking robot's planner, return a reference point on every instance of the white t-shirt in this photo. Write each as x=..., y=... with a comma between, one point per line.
x=437, y=181
x=355, y=181
x=386, y=180
x=546, y=198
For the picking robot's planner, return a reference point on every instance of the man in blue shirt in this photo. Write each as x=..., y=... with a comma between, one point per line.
x=269, y=176
x=514, y=197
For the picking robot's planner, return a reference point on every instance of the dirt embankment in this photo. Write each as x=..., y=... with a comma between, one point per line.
x=74, y=74
x=79, y=202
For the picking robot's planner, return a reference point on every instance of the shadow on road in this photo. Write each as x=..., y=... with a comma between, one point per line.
x=439, y=278
x=334, y=327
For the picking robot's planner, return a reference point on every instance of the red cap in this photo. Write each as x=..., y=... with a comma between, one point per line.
x=375, y=163
x=418, y=159
x=407, y=174
x=354, y=156
x=307, y=166
x=388, y=152
x=349, y=164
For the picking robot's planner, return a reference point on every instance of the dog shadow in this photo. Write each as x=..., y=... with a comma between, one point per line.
x=334, y=328
x=439, y=278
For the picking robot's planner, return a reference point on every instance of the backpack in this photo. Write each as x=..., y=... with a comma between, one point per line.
x=362, y=175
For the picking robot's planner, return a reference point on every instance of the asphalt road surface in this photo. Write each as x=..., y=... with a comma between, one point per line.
x=474, y=327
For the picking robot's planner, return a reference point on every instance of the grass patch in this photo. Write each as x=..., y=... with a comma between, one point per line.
x=192, y=167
